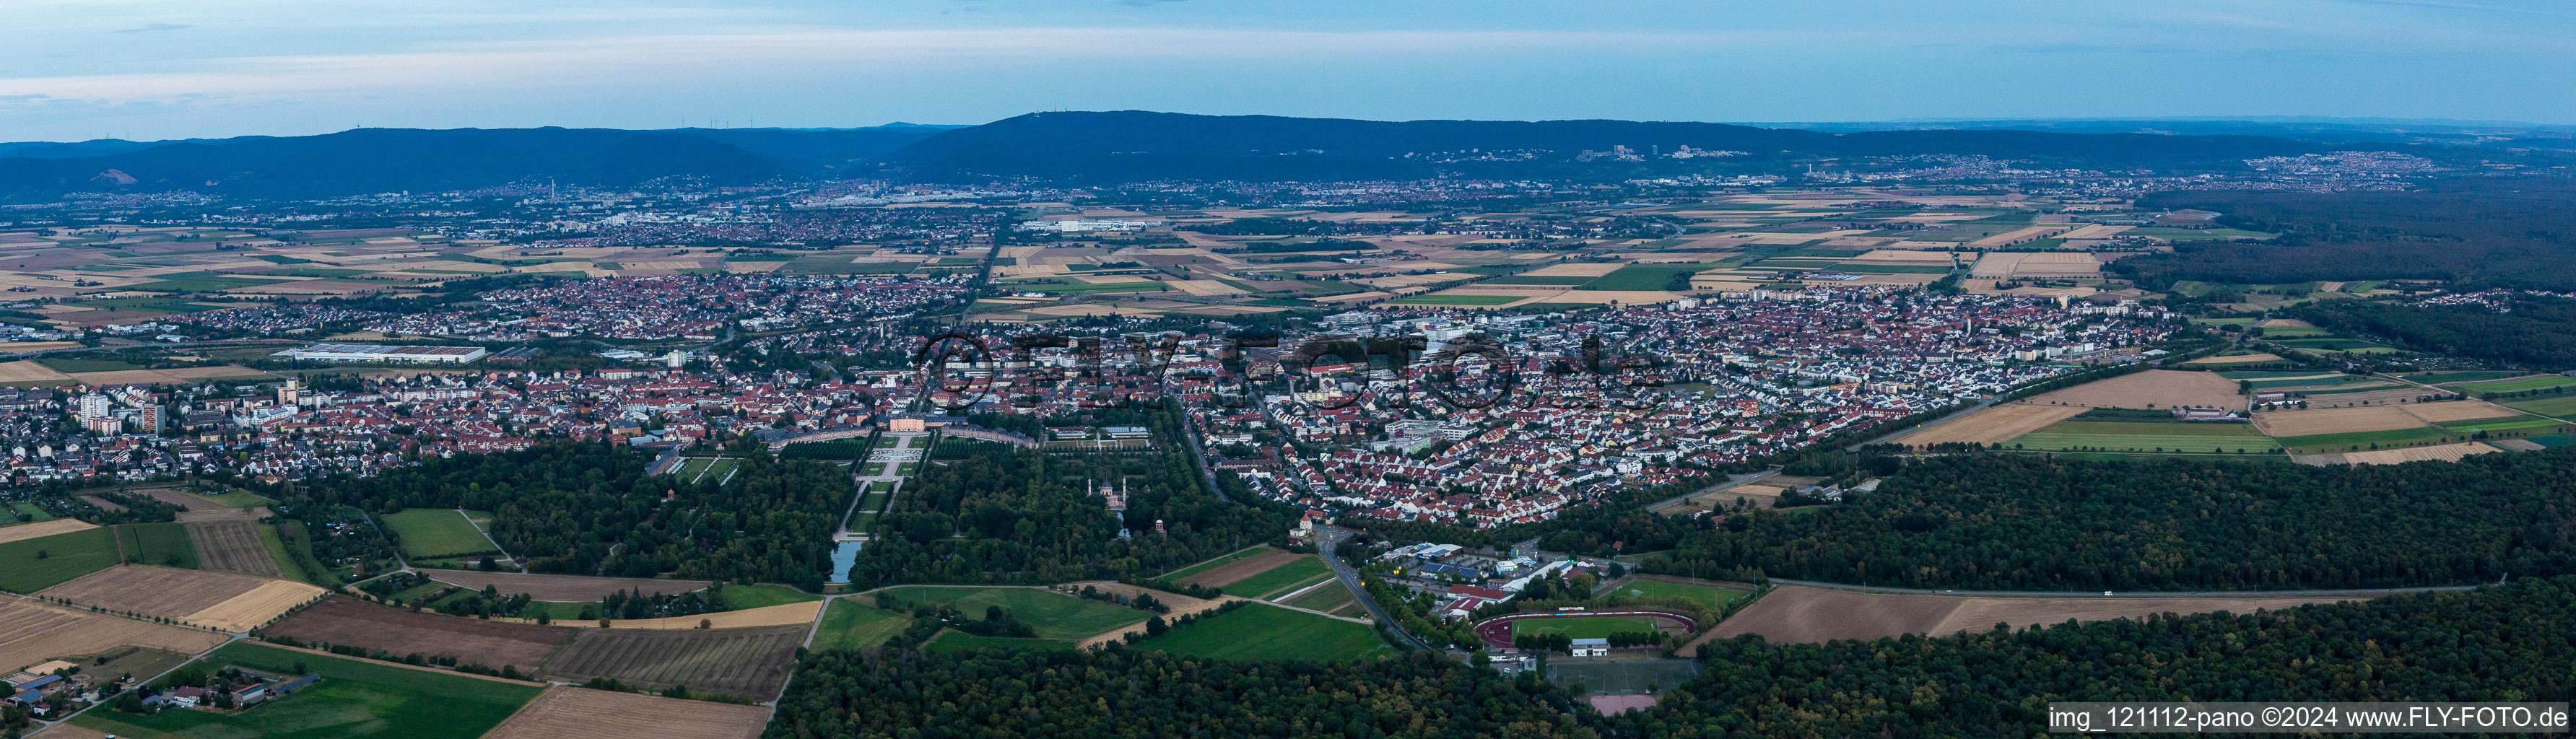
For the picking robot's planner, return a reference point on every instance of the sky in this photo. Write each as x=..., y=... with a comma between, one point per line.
x=158, y=69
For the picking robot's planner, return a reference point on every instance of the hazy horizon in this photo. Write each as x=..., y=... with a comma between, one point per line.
x=153, y=69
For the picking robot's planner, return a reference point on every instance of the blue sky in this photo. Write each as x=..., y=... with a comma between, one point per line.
x=177, y=68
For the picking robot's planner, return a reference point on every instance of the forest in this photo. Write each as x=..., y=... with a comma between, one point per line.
x=1132, y=693
x=2539, y=331
x=2480, y=233
x=2506, y=643
x=1002, y=514
x=2027, y=522
x=565, y=506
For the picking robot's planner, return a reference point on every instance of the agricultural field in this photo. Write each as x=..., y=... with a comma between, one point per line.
x=2437, y=452
x=958, y=641
x=850, y=624
x=213, y=599
x=164, y=544
x=2369, y=440
x=1281, y=580
x=1713, y=596
x=33, y=631
x=494, y=644
x=1642, y=277
x=2562, y=407
x=1793, y=614
x=1260, y=631
x=1054, y=615
x=33, y=564
x=41, y=527
x=566, y=711
x=2149, y=389
x=563, y=588
x=430, y=533
x=1331, y=598
x=232, y=546
x=746, y=597
x=1233, y=567
x=1473, y=300
x=2541, y=382
x=1993, y=425
x=2212, y=438
x=354, y=698
x=749, y=662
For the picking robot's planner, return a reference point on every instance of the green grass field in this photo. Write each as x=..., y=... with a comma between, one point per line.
x=1458, y=299
x=67, y=557
x=690, y=468
x=2269, y=374
x=2346, y=442
x=2515, y=386
x=1210, y=564
x=1714, y=598
x=741, y=597
x=33, y=513
x=435, y=532
x=1085, y=288
x=1270, y=632
x=1566, y=280
x=2498, y=424
x=2440, y=378
x=721, y=469
x=849, y=624
x=1281, y=579
x=1894, y=269
x=354, y=699
x=235, y=499
x=1640, y=277
x=1054, y=615
x=2562, y=406
x=954, y=641
x=2142, y=437
x=1583, y=628
x=164, y=544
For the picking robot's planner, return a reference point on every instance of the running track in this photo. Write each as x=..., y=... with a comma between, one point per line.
x=1497, y=632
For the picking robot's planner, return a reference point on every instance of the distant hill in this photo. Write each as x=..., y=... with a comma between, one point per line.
x=1136, y=145
x=390, y=159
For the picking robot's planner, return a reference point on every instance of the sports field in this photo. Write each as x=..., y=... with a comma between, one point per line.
x=1583, y=628
x=1713, y=597
x=1053, y=615
x=435, y=532
x=850, y=624
x=2116, y=436
x=1261, y=631
x=353, y=699
x=65, y=557
x=1280, y=580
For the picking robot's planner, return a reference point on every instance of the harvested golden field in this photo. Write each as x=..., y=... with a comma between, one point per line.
x=154, y=591
x=1205, y=287
x=2459, y=410
x=1993, y=425
x=32, y=632
x=25, y=370
x=1890, y=256
x=2093, y=231
x=2164, y=388
x=2336, y=420
x=1795, y=614
x=42, y=529
x=563, y=588
x=256, y=608
x=128, y=377
x=564, y=711
x=2438, y=452
x=2010, y=238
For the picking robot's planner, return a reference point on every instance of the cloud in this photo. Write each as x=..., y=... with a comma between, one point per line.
x=155, y=27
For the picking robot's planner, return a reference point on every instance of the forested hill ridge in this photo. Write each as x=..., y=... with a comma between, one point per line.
x=1118, y=146
x=2000, y=521
x=372, y=160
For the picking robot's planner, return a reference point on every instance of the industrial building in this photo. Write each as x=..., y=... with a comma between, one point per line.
x=384, y=353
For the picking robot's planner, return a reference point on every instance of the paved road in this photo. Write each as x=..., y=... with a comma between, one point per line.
x=2121, y=594
x=1330, y=537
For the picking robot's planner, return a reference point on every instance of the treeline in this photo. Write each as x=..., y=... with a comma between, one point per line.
x=1004, y=514
x=1134, y=693
x=2027, y=522
x=2539, y=331
x=588, y=509
x=2504, y=643
x=2486, y=234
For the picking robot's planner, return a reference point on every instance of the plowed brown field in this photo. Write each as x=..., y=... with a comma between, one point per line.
x=344, y=620
x=564, y=711
x=746, y=662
